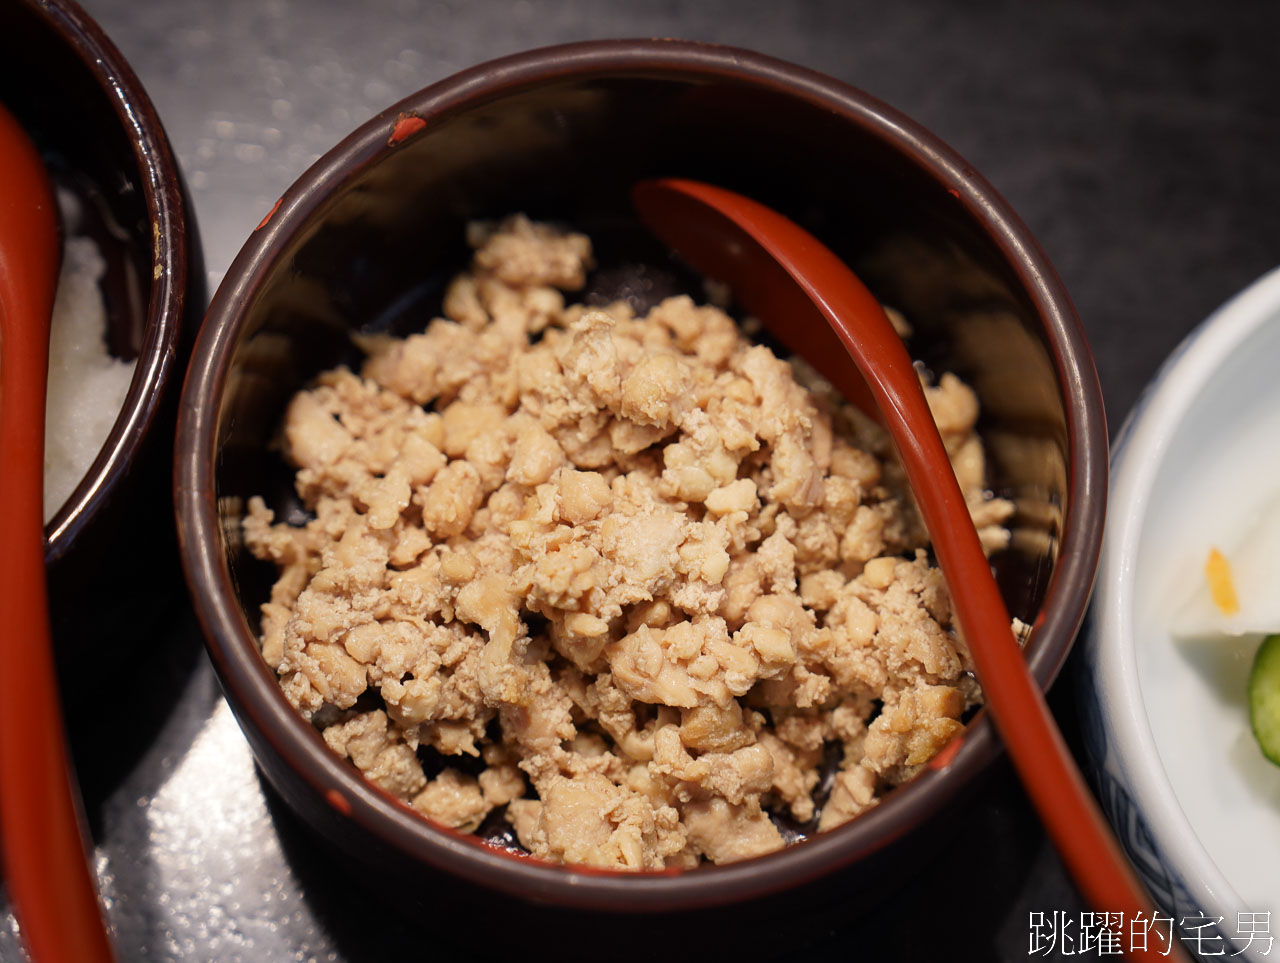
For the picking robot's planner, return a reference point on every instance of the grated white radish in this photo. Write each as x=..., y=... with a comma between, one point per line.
x=87, y=385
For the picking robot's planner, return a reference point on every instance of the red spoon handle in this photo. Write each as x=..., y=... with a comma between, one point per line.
x=1049, y=774
x=45, y=864
x=890, y=389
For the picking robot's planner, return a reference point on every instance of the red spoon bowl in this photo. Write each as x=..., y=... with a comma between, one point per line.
x=365, y=240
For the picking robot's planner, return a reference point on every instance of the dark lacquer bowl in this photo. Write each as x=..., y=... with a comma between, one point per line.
x=101, y=138
x=372, y=231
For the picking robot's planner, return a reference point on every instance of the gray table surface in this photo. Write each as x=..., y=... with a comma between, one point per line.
x=1137, y=140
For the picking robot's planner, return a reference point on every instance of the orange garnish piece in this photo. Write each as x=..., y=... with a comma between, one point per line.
x=1222, y=588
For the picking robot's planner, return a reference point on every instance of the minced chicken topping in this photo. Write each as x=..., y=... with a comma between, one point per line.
x=621, y=578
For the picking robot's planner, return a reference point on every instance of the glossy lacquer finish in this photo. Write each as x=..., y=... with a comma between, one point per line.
x=366, y=239
x=46, y=869
x=101, y=563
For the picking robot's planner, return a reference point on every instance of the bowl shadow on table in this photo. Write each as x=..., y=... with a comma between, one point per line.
x=152, y=672
x=928, y=889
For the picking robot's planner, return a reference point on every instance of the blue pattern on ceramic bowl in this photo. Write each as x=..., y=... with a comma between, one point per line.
x=1116, y=797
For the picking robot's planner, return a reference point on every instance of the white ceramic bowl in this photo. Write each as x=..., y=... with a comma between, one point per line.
x=1166, y=724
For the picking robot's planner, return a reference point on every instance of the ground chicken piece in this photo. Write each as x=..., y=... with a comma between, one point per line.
x=797, y=476
x=453, y=799
x=501, y=784
x=736, y=776
x=820, y=590
x=523, y=815
x=698, y=463
x=705, y=331
x=688, y=664
x=296, y=555
x=546, y=395
x=343, y=593
x=580, y=637
x=521, y=252
x=801, y=687
x=782, y=405
x=516, y=312
x=795, y=773
x=314, y=437
x=535, y=455
x=589, y=360
x=715, y=728
x=592, y=822
x=489, y=603
x=480, y=302
x=909, y=734
x=864, y=537
x=606, y=704
x=852, y=792
x=390, y=444
x=886, y=627
x=451, y=500
x=541, y=719
x=847, y=724
x=725, y=833
x=462, y=303
x=464, y=421
x=650, y=573
x=338, y=678
x=656, y=391
x=428, y=677
x=426, y=366
x=583, y=496
x=378, y=751
x=737, y=496
x=451, y=737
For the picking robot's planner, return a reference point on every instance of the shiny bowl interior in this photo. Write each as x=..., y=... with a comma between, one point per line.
x=98, y=132
x=366, y=239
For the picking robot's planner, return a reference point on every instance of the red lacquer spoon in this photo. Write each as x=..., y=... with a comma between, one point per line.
x=46, y=869
x=819, y=309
